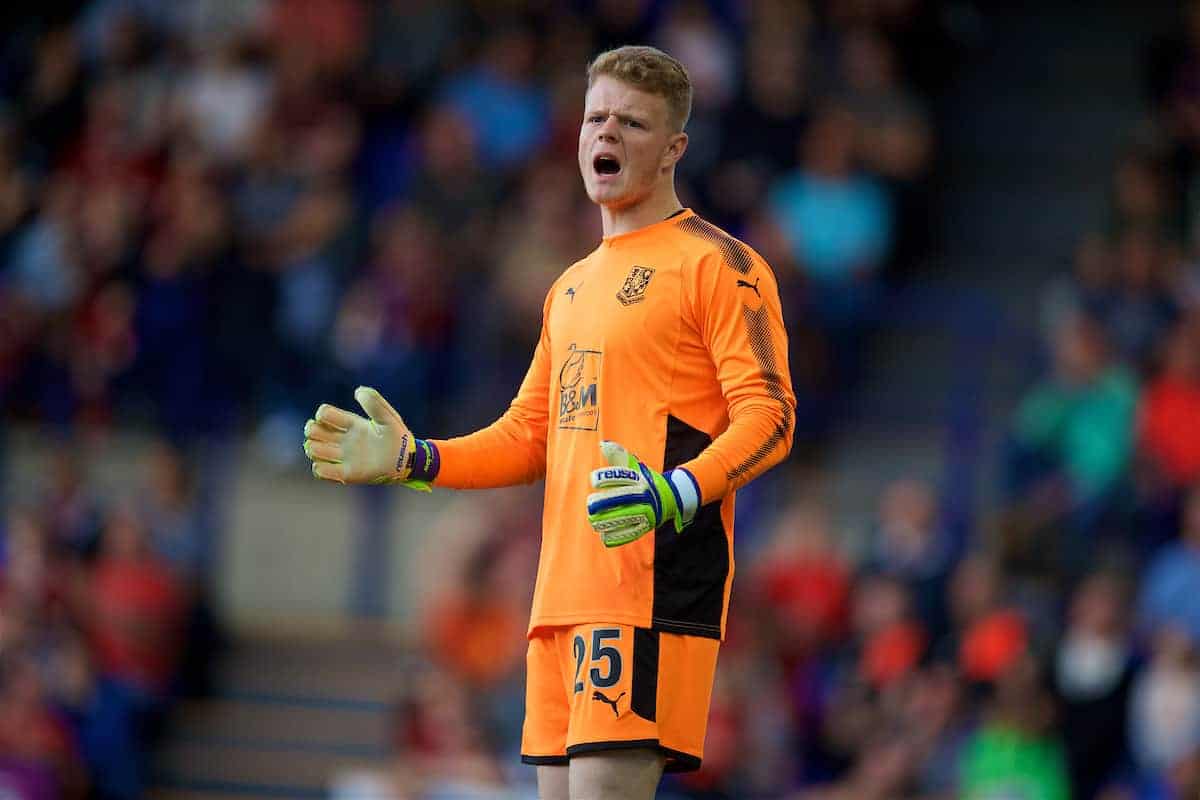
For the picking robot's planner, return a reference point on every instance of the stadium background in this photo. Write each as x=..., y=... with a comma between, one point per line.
x=977, y=576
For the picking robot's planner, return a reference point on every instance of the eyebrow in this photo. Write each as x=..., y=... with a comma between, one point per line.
x=591, y=112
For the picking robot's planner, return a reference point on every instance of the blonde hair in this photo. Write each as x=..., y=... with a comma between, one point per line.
x=650, y=70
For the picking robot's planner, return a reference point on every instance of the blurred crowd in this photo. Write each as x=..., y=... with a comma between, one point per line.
x=215, y=214
x=102, y=626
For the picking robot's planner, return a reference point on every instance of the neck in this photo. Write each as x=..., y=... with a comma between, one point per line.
x=655, y=207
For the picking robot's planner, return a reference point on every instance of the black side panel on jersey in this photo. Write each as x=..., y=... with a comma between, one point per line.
x=690, y=568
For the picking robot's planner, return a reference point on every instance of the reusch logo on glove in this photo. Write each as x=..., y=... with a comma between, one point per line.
x=617, y=474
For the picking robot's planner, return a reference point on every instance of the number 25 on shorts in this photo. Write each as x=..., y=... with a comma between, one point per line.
x=605, y=660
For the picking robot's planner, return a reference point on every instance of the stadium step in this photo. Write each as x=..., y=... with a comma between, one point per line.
x=285, y=718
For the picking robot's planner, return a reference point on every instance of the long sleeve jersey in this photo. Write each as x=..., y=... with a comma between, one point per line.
x=669, y=340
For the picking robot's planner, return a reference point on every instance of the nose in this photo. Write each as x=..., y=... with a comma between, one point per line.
x=608, y=131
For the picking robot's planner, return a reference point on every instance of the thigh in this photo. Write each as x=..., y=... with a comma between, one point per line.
x=616, y=775
x=552, y=783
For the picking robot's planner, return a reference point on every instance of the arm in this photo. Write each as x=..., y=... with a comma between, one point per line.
x=348, y=448
x=743, y=330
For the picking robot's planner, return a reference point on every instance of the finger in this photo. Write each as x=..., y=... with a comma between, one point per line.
x=378, y=409
x=323, y=451
x=327, y=472
x=623, y=532
x=335, y=418
x=320, y=432
x=616, y=455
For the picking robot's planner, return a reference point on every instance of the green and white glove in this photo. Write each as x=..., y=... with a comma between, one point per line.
x=631, y=499
x=347, y=448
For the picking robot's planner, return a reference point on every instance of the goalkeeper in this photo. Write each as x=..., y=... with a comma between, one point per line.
x=658, y=387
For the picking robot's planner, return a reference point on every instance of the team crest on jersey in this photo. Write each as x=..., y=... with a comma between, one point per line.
x=634, y=288
x=579, y=390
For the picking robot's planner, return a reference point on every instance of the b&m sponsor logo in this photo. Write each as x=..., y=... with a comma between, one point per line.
x=579, y=390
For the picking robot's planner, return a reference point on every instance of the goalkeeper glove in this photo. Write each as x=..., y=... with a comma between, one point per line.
x=347, y=448
x=632, y=499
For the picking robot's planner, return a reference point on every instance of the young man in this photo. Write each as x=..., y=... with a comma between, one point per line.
x=668, y=339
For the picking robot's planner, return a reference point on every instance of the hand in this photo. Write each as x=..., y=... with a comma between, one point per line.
x=631, y=499
x=347, y=448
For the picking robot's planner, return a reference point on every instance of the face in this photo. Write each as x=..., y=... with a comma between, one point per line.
x=627, y=144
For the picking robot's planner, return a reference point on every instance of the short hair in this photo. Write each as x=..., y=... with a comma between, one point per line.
x=650, y=70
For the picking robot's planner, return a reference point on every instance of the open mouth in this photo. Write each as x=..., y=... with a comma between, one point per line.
x=606, y=165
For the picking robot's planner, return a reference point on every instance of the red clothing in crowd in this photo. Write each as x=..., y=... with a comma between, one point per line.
x=1170, y=428
x=137, y=621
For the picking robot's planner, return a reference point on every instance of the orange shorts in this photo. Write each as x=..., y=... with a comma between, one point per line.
x=606, y=687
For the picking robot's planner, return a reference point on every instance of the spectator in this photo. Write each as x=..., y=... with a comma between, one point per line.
x=1015, y=750
x=1170, y=594
x=69, y=507
x=476, y=633
x=222, y=101
x=1144, y=309
x=1089, y=289
x=804, y=582
x=452, y=184
x=774, y=103
x=1078, y=427
x=1140, y=199
x=911, y=543
x=1164, y=713
x=136, y=606
x=1168, y=437
x=936, y=719
x=837, y=220
x=37, y=751
x=1092, y=674
x=507, y=110
x=43, y=268
x=894, y=135
x=168, y=508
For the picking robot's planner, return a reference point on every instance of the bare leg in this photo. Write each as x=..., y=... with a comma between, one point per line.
x=616, y=775
x=552, y=783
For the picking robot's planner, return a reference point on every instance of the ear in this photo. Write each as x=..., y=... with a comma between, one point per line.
x=676, y=147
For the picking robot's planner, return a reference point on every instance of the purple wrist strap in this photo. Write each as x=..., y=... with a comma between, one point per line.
x=426, y=462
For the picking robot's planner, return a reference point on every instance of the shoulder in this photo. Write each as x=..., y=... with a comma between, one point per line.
x=572, y=272
x=703, y=241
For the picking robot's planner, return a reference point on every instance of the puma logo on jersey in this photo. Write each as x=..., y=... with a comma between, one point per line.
x=600, y=696
x=753, y=286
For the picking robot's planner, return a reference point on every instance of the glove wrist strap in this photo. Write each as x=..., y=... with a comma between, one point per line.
x=687, y=494
x=425, y=462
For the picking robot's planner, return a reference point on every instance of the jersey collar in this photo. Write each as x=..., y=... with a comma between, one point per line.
x=649, y=230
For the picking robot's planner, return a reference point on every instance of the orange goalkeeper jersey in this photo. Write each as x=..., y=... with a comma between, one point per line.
x=669, y=340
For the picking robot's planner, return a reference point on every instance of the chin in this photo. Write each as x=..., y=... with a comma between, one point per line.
x=607, y=198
